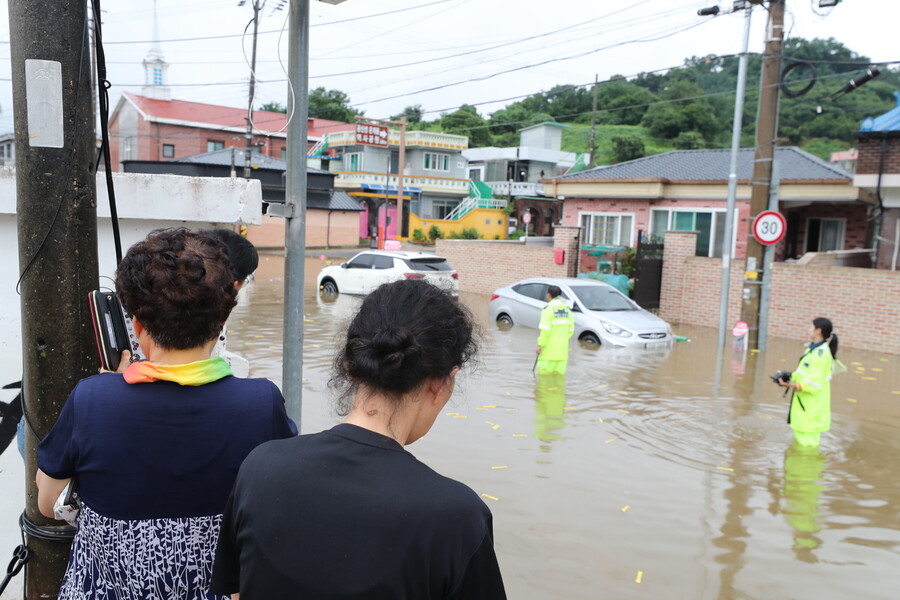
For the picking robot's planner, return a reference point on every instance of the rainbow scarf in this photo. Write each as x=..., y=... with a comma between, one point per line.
x=196, y=373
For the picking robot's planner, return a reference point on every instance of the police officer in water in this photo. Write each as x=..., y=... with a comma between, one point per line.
x=557, y=326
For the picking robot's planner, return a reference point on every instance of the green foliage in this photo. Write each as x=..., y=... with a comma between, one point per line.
x=628, y=148
x=331, y=104
x=467, y=121
x=689, y=140
x=469, y=233
x=434, y=232
x=418, y=236
x=517, y=234
x=412, y=113
x=274, y=107
x=823, y=147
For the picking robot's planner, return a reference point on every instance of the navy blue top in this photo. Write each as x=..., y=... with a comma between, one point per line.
x=160, y=450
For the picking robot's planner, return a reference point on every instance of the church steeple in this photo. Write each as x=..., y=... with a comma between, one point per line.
x=155, y=67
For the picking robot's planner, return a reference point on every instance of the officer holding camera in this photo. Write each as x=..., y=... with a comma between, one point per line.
x=810, y=383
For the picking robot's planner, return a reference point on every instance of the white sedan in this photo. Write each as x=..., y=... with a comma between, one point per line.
x=367, y=270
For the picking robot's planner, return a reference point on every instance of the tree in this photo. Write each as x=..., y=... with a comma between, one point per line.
x=689, y=140
x=627, y=147
x=273, y=106
x=506, y=123
x=412, y=113
x=333, y=105
x=466, y=121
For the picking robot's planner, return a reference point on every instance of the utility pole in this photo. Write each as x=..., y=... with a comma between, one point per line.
x=401, y=165
x=57, y=233
x=594, y=124
x=766, y=139
x=257, y=7
x=295, y=209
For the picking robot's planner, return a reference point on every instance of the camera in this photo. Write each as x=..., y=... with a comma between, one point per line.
x=781, y=376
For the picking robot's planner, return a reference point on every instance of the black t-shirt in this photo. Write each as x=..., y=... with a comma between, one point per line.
x=348, y=513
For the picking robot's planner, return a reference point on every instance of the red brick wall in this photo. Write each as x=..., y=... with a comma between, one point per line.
x=870, y=156
x=889, y=239
x=484, y=266
x=863, y=304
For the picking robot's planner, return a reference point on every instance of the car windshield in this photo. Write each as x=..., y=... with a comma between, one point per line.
x=428, y=264
x=601, y=298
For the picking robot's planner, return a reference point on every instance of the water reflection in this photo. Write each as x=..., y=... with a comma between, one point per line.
x=549, y=407
x=803, y=466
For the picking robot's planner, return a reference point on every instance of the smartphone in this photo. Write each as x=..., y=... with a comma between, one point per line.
x=113, y=330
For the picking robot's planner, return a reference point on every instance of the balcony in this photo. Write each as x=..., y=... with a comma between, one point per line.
x=414, y=139
x=434, y=185
x=519, y=188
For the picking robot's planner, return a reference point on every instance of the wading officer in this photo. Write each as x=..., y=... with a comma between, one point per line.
x=557, y=326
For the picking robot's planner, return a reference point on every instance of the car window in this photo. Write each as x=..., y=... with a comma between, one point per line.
x=537, y=291
x=363, y=261
x=602, y=298
x=382, y=262
x=430, y=263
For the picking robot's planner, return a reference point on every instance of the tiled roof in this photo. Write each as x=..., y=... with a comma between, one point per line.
x=713, y=165
x=225, y=116
x=223, y=157
x=889, y=121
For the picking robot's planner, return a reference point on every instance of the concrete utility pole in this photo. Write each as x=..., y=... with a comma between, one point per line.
x=57, y=231
x=401, y=166
x=766, y=138
x=594, y=123
x=248, y=153
x=295, y=210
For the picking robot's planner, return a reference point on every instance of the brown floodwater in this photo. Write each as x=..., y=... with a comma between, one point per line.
x=661, y=474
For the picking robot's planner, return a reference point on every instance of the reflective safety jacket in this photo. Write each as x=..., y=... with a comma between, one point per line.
x=557, y=326
x=811, y=404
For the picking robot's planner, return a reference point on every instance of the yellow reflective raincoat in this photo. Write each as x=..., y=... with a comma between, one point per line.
x=810, y=410
x=557, y=326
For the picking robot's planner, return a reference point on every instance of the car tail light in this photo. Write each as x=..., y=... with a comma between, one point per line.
x=414, y=275
x=455, y=275
x=494, y=297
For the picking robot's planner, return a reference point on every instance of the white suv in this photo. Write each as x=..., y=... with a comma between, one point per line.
x=367, y=270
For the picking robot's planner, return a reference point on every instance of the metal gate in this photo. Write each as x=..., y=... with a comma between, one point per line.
x=648, y=273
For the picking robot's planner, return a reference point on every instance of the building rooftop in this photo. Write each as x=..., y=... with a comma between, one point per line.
x=224, y=157
x=712, y=166
x=889, y=121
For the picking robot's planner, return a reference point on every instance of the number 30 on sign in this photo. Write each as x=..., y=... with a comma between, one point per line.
x=769, y=227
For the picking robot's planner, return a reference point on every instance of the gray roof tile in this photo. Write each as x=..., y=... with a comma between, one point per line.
x=713, y=165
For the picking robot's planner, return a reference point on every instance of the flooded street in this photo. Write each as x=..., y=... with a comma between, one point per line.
x=641, y=463
x=657, y=474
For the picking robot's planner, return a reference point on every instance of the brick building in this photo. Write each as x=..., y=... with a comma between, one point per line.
x=878, y=171
x=686, y=190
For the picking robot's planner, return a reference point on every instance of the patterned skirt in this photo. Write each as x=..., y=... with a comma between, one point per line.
x=147, y=559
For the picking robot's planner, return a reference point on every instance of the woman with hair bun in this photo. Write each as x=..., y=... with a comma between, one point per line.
x=348, y=513
x=155, y=449
x=810, y=411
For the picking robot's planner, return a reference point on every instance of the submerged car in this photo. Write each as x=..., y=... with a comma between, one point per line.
x=603, y=314
x=368, y=270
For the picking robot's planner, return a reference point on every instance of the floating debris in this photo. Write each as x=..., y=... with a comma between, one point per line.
x=452, y=414
x=870, y=378
x=495, y=427
x=520, y=435
x=622, y=410
x=609, y=441
x=489, y=497
x=729, y=469
x=501, y=467
x=640, y=577
x=854, y=400
x=626, y=507
x=600, y=419
x=460, y=417
x=489, y=406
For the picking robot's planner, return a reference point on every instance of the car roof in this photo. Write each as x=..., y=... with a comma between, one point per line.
x=402, y=254
x=565, y=281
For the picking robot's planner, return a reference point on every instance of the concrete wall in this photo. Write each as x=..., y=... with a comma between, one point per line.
x=863, y=304
x=484, y=266
x=339, y=229
x=489, y=222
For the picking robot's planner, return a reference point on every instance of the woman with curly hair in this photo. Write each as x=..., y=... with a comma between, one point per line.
x=155, y=449
x=348, y=512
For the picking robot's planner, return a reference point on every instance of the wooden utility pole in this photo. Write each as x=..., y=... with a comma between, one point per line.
x=57, y=237
x=766, y=139
x=594, y=124
x=257, y=7
x=401, y=160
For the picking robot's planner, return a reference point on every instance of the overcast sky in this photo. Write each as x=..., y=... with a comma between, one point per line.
x=390, y=54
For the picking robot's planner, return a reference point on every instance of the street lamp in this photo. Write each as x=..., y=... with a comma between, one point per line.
x=732, y=171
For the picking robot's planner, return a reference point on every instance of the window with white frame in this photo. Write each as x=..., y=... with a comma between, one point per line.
x=168, y=150
x=433, y=161
x=353, y=161
x=709, y=225
x=824, y=235
x=607, y=229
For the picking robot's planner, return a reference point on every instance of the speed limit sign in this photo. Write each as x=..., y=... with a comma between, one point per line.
x=526, y=218
x=769, y=227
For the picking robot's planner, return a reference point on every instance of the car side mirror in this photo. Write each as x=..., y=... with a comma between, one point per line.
x=343, y=265
x=576, y=308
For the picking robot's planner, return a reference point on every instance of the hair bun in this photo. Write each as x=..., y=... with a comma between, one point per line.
x=391, y=346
